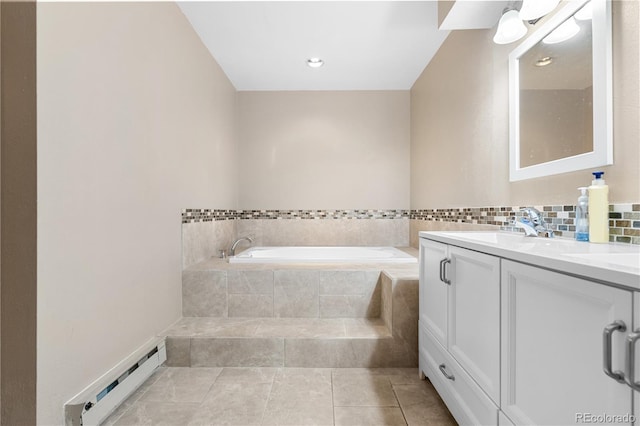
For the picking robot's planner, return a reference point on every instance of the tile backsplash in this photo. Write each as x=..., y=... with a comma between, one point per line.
x=624, y=219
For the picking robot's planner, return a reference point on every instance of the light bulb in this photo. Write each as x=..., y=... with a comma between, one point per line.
x=510, y=28
x=563, y=32
x=534, y=9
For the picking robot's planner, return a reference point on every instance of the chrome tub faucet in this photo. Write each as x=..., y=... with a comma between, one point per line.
x=232, y=250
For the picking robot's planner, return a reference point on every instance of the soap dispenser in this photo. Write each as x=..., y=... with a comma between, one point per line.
x=598, y=210
x=582, y=223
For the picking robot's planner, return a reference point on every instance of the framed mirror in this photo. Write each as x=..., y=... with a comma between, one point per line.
x=560, y=94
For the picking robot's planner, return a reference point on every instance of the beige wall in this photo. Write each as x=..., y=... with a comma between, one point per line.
x=324, y=150
x=0, y=215
x=460, y=125
x=135, y=122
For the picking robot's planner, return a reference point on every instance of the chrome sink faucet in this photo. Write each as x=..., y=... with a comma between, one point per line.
x=533, y=223
x=232, y=251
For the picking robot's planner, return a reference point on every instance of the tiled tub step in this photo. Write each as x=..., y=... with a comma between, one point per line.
x=286, y=342
x=303, y=292
x=296, y=316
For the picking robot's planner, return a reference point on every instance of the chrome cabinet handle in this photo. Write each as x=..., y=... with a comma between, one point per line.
x=607, y=336
x=631, y=358
x=443, y=271
x=444, y=372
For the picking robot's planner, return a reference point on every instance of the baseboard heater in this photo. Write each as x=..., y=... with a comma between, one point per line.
x=96, y=402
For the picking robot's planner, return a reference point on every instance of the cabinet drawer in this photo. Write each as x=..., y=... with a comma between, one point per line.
x=464, y=398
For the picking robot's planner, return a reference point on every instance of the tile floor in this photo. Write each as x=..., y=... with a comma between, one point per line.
x=283, y=396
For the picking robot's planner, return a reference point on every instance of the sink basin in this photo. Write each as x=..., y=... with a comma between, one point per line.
x=507, y=238
x=631, y=260
x=488, y=237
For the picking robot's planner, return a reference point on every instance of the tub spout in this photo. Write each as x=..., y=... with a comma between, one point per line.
x=232, y=251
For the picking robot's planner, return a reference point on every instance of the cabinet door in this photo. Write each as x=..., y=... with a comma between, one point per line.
x=474, y=317
x=636, y=326
x=433, y=291
x=552, y=346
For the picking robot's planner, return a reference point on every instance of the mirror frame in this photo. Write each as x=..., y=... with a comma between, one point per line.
x=602, y=154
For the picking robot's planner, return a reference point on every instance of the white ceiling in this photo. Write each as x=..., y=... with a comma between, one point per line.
x=366, y=45
x=473, y=14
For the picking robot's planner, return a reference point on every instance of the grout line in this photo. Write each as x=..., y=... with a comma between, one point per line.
x=226, y=285
x=284, y=352
x=393, y=388
x=266, y=405
x=333, y=403
x=273, y=294
x=215, y=380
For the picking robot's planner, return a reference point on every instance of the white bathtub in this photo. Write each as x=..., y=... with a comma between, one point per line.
x=323, y=255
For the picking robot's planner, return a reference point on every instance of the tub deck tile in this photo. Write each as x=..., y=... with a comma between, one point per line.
x=288, y=328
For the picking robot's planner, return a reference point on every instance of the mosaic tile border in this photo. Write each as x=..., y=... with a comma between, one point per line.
x=624, y=219
x=323, y=214
x=209, y=215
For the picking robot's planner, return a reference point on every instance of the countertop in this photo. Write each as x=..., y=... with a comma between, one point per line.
x=616, y=264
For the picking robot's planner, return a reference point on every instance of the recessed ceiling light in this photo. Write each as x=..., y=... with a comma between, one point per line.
x=543, y=62
x=315, y=62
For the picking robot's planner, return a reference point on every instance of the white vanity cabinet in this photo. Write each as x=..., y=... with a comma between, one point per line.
x=516, y=330
x=459, y=320
x=636, y=326
x=552, y=347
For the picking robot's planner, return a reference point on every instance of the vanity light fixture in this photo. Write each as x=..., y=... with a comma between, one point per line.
x=543, y=62
x=315, y=62
x=534, y=9
x=585, y=14
x=564, y=32
x=510, y=27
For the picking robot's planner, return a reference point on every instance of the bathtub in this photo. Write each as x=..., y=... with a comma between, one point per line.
x=323, y=255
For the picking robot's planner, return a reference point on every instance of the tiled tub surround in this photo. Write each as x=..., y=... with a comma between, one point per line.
x=203, y=239
x=624, y=220
x=296, y=316
x=205, y=231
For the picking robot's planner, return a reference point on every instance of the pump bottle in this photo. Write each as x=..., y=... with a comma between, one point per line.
x=598, y=210
x=582, y=223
